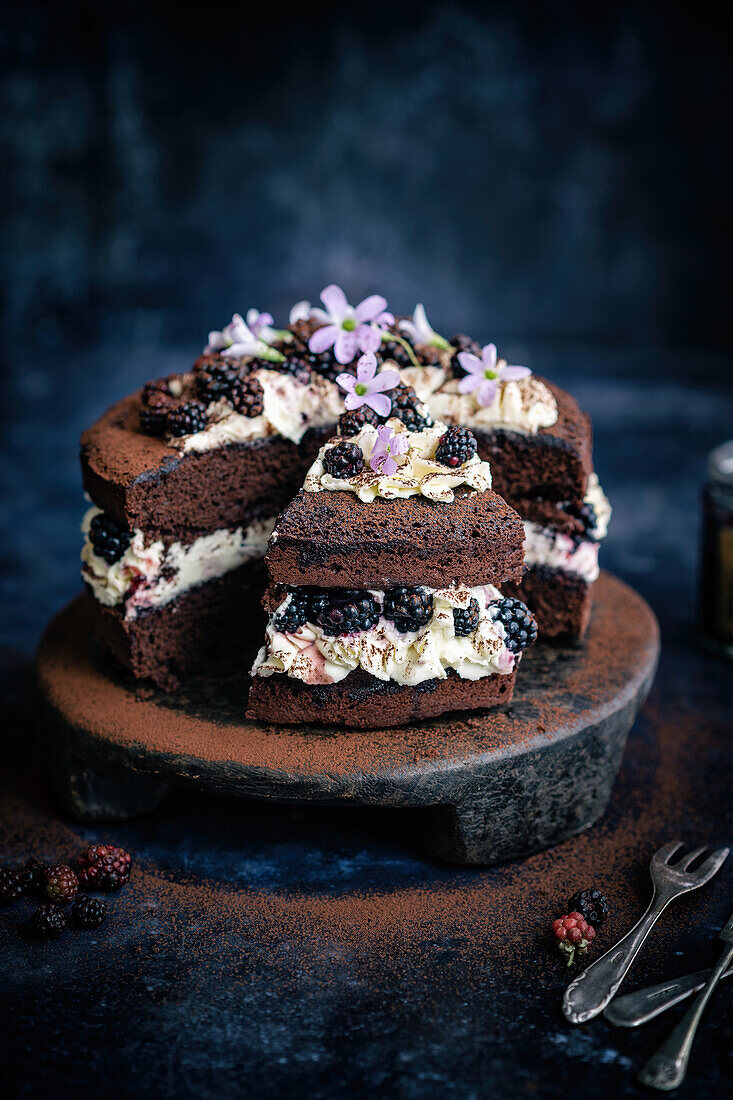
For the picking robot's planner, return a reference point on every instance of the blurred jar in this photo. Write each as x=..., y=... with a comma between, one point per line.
x=716, y=566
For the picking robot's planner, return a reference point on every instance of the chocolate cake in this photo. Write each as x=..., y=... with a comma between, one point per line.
x=190, y=473
x=383, y=594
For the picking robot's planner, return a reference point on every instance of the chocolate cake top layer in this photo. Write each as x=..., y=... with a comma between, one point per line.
x=555, y=463
x=333, y=539
x=142, y=482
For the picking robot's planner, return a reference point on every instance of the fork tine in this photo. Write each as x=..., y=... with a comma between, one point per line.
x=711, y=865
x=663, y=854
x=685, y=862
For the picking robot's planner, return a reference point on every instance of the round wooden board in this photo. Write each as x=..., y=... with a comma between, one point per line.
x=490, y=785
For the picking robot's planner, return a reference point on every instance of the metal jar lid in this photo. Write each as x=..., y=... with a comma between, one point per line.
x=720, y=466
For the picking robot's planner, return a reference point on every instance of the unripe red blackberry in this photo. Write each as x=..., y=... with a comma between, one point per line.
x=61, y=883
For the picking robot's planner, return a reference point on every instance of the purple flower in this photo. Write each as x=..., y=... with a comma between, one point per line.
x=346, y=328
x=239, y=339
x=389, y=443
x=484, y=374
x=261, y=325
x=420, y=331
x=368, y=387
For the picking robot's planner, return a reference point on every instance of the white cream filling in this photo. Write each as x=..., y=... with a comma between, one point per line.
x=151, y=574
x=525, y=406
x=544, y=546
x=309, y=655
x=418, y=473
x=290, y=408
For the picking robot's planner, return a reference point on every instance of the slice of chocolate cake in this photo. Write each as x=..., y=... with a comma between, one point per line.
x=383, y=602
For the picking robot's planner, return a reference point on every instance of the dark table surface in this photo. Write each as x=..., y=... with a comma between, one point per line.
x=271, y=951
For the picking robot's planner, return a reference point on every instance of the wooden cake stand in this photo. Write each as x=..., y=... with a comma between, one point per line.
x=489, y=785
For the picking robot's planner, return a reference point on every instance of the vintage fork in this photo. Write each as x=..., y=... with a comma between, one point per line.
x=591, y=991
x=643, y=1005
x=666, y=1069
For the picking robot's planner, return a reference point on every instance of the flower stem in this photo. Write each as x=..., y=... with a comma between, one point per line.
x=400, y=340
x=271, y=354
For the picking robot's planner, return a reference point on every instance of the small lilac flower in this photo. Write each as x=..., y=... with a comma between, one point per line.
x=388, y=443
x=348, y=329
x=261, y=325
x=368, y=387
x=237, y=339
x=420, y=331
x=485, y=374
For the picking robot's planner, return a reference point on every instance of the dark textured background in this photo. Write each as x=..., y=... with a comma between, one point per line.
x=553, y=177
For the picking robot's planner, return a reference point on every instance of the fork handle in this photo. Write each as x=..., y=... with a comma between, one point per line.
x=589, y=993
x=644, y=1004
x=666, y=1069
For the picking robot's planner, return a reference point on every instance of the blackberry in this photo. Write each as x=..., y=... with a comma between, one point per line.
x=104, y=867
x=405, y=406
x=325, y=364
x=351, y=423
x=465, y=620
x=11, y=886
x=187, y=418
x=518, y=622
x=455, y=447
x=586, y=513
x=295, y=614
x=574, y=935
x=48, y=922
x=60, y=883
x=345, y=611
x=31, y=877
x=154, y=414
x=592, y=904
x=88, y=912
x=108, y=539
x=344, y=460
x=216, y=378
x=462, y=342
x=248, y=397
x=158, y=387
x=408, y=608
x=390, y=349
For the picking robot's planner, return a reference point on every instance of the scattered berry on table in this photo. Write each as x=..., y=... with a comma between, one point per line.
x=592, y=904
x=248, y=397
x=31, y=877
x=344, y=611
x=108, y=538
x=295, y=614
x=48, y=922
x=11, y=885
x=88, y=912
x=455, y=447
x=104, y=867
x=60, y=883
x=187, y=418
x=154, y=414
x=574, y=935
x=408, y=608
x=463, y=343
x=351, y=423
x=406, y=407
x=344, y=460
x=519, y=624
x=466, y=619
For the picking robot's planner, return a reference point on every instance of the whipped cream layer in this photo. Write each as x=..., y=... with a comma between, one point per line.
x=556, y=550
x=309, y=655
x=418, y=472
x=526, y=406
x=151, y=574
x=290, y=408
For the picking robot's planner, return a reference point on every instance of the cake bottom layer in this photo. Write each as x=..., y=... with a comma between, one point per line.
x=163, y=644
x=560, y=601
x=362, y=701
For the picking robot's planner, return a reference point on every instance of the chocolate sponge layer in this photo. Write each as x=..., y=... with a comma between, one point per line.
x=555, y=463
x=560, y=601
x=165, y=643
x=364, y=702
x=144, y=483
x=334, y=539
